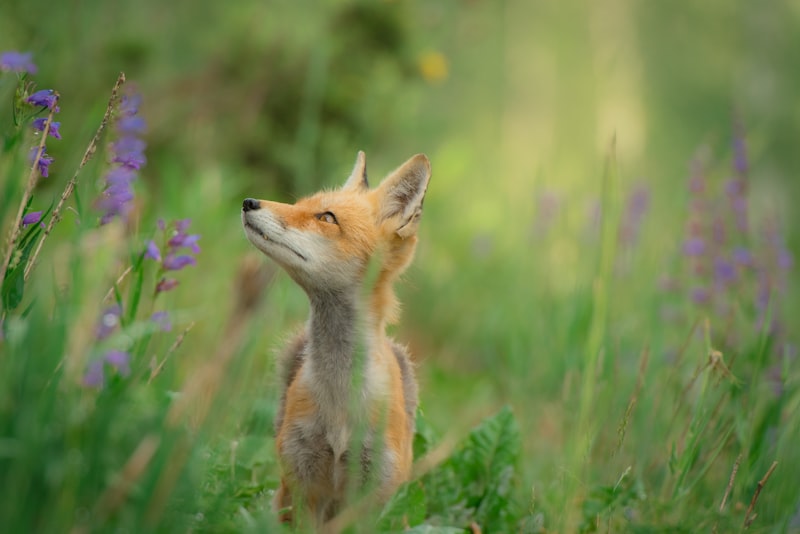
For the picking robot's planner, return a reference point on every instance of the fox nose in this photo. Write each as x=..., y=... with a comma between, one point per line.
x=250, y=204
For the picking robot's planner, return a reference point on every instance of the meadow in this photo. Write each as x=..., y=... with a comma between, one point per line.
x=600, y=305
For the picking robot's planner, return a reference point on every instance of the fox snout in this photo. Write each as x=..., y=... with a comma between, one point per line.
x=251, y=204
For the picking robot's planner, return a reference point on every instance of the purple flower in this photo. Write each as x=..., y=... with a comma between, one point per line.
x=127, y=155
x=45, y=98
x=131, y=125
x=115, y=201
x=129, y=104
x=12, y=61
x=94, y=376
x=785, y=260
x=109, y=321
x=181, y=225
x=31, y=218
x=694, y=246
x=161, y=318
x=44, y=161
x=119, y=360
x=39, y=123
x=741, y=256
x=166, y=284
x=701, y=295
x=724, y=271
x=176, y=263
x=152, y=252
x=180, y=240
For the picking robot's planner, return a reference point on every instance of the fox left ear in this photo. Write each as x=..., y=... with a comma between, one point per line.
x=358, y=178
x=401, y=195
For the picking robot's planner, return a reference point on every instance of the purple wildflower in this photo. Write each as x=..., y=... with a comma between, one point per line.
x=127, y=155
x=181, y=240
x=129, y=152
x=741, y=256
x=166, y=284
x=109, y=321
x=31, y=218
x=12, y=61
x=694, y=246
x=131, y=125
x=161, y=318
x=39, y=123
x=94, y=376
x=119, y=360
x=173, y=259
x=43, y=163
x=152, y=252
x=46, y=98
x=176, y=263
x=700, y=295
x=724, y=271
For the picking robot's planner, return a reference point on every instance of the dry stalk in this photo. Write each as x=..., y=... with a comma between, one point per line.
x=90, y=150
x=748, y=520
x=157, y=369
x=632, y=402
x=730, y=483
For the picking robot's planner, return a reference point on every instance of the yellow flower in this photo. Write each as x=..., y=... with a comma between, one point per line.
x=433, y=67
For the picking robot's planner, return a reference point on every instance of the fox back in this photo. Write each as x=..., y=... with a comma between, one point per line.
x=349, y=394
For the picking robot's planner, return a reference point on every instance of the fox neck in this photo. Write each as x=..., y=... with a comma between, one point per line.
x=333, y=334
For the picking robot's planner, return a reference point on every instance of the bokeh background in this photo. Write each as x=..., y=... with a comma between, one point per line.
x=541, y=120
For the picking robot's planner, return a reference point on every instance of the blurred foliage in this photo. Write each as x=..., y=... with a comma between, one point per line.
x=531, y=281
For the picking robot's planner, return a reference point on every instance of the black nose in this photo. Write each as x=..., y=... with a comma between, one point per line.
x=250, y=204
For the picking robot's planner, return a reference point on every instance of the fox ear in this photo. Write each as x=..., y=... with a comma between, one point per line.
x=358, y=178
x=401, y=195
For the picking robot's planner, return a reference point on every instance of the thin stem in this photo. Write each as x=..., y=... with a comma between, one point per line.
x=90, y=150
x=16, y=229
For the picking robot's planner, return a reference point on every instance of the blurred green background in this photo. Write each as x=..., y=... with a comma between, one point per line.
x=524, y=109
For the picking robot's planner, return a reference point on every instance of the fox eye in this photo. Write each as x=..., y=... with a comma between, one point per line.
x=327, y=217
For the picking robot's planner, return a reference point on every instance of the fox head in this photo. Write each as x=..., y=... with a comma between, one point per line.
x=326, y=241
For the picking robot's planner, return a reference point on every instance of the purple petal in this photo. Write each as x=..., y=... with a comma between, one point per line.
x=700, y=295
x=31, y=218
x=119, y=360
x=131, y=125
x=129, y=104
x=45, y=98
x=12, y=61
x=724, y=271
x=152, y=251
x=39, y=123
x=161, y=224
x=166, y=284
x=120, y=175
x=181, y=225
x=44, y=161
x=187, y=241
x=741, y=256
x=176, y=263
x=94, y=376
x=694, y=246
x=161, y=318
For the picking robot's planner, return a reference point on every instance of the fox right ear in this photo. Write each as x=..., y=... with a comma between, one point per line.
x=358, y=178
x=402, y=193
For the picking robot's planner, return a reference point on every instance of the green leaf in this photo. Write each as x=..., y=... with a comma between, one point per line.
x=407, y=507
x=14, y=287
x=254, y=450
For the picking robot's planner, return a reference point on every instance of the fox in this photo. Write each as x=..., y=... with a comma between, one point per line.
x=348, y=391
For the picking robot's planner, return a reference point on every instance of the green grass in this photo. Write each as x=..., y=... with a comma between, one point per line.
x=568, y=381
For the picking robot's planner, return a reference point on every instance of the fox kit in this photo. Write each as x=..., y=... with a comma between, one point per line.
x=349, y=395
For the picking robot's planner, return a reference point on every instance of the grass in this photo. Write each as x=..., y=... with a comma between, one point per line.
x=572, y=379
